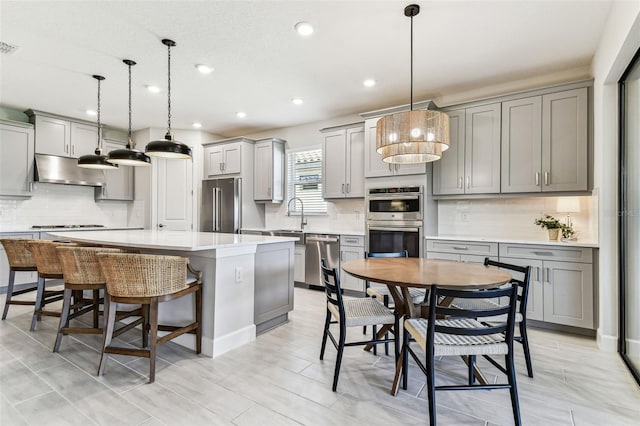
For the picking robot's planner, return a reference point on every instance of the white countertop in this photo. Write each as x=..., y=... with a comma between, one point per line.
x=170, y=240
x=578, y=243
x=312, y=231
x=22, y=228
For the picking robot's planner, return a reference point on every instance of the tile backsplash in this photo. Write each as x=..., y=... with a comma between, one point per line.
x=53, y=204
x=341, y=216
x=513, y=217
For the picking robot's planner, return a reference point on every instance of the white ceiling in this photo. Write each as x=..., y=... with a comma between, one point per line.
x=261, y=63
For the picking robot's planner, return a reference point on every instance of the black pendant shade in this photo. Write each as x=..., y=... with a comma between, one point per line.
x=97, y=160
x=129, y=156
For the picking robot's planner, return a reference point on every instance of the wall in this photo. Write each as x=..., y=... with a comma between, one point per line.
x=620, y=40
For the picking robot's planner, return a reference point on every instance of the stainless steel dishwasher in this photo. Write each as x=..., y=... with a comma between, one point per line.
x=320, y=246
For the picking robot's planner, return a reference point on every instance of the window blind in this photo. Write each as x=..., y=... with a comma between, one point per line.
x=304, y=180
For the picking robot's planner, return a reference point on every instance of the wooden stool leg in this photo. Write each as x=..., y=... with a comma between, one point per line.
x=12, y=278
x=153, y=331
x=198, y=299
x=109, y=324
x=145, y=326
x=38, y=305
x=64, y=315
x=96, y=308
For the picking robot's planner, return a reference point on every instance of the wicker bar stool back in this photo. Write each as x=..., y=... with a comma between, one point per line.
x=48, y=264
x=81, y=271
x=20, y=260
x=148, y=280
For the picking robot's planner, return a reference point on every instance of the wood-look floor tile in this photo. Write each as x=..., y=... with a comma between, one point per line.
x=9, y=415
x=259, y=415
x=18, y=383
x=52, y=409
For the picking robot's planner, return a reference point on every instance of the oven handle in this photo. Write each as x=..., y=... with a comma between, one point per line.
x=395, y=197
x=394, y=228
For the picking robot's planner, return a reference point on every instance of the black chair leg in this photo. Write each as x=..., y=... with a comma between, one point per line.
x=405, y=358
x=327, y=322
x=513, y=390
x=525, y=345
x=386, y=336
x=343, y=332
x=431, y=389
x=472, y=376
x=375, y=337
x=12, y=279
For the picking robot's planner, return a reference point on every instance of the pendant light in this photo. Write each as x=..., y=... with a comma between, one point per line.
x=97, y=160
x=412, y=136
x=167, y=147
x=129, y=156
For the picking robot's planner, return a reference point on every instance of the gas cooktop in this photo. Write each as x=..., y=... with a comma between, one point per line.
x=66, y=226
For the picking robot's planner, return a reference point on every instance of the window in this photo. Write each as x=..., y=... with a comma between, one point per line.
x=304, y=180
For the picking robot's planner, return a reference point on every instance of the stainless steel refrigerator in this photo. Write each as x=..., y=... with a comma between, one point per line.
x=221, y=207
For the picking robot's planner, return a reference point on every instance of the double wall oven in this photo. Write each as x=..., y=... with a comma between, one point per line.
x=394, y=220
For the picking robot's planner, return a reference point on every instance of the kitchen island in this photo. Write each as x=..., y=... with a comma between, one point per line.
x=233, y=297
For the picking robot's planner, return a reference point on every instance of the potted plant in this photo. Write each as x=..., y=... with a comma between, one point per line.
x=551, y=224
x=568, y=234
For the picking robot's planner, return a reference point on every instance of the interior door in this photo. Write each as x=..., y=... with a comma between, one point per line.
x=175, y=194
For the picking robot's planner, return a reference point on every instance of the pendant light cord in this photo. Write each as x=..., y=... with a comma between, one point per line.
x=99, y=126
x=129, y=142
x=169, y=90
x=411, y=95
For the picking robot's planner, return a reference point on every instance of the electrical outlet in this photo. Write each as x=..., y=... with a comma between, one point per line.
x=238, y=274
x=465, y=216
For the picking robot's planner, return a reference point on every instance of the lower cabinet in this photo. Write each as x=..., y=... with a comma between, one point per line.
x=351, y=248
x=298, y=266
x=461, y=251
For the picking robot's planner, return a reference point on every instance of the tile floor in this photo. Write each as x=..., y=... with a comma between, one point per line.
x=278, y=380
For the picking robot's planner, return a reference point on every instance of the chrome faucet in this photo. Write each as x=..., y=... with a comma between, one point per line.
x=302, y=221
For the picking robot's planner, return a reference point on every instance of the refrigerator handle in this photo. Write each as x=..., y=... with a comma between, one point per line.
x=239, y=208
x=216, y=209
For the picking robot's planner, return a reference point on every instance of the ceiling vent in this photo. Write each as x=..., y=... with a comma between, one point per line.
x=7, y=49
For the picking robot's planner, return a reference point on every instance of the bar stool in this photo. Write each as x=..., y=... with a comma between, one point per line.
x=148, y=280
x=46, y=258
x=20, y=260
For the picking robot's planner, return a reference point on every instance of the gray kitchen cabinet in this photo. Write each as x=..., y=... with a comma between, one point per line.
x=268, y=173
x=544, y=143
x=461, y=251
x=343, y=165
x=55, y=135
x=119, y=183
x=351, y=248
x=21, y=277
x=373, y=164
x=566, y=277
x=16, y=159
x=480, y=149
x=222, y=159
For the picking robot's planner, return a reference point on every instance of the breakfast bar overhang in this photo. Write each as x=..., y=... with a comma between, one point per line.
x=228, y=263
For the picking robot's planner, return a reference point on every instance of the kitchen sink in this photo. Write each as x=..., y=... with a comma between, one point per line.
x=287, y=233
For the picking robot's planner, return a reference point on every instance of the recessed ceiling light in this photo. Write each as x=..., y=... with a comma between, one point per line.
x=369, y=82
x=304, y=28
x=91, y=112
x=197, y=125
x=297, y=101
x=153, y=89
x=204, y=69
x=241, y=114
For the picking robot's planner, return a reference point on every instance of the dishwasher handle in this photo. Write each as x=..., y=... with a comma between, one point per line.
x=323, y=239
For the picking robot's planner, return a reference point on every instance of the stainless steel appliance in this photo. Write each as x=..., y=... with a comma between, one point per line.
x=394, y=220
x=320, y=246
x=221, y=207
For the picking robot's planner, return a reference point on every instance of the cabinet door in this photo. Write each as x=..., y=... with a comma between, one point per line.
x=448, y=172
x=16, y=160
x=347, y=281
x=213, y=161
x=568, y=293
x=298, y=265
x=410, y=169
x=373, y=164
x=119, y=182
x=262, y=171
x=355, y=163
x=232, y=158
x=334, y=146
x=482, y=149
x=84, y=139
x=564, y=141
x=521, y=145
x=53, y=136
x=443, y=256
x=535, y=302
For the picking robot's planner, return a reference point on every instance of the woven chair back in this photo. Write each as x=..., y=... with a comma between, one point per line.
x=80, y=265
x=143, y=275
x=46, y=257
x=18, y=253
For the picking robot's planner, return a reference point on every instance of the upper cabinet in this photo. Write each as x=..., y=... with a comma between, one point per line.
x=118, y=183
x=373, y=164
x=16, y=158
x=343, y=152
x=544, y=143
x=56, y=135
x=268, y=172
x=222, y=159
x=471, y=165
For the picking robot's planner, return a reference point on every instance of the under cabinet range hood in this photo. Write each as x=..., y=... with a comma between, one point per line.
x=54, y=169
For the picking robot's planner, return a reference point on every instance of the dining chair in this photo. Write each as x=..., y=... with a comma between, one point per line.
x=523, y=284
x=449, y=331
x=148, y=280
x=382, y=293
x=352, y=313
x=20, y=260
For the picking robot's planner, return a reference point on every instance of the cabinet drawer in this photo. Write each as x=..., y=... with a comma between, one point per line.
x=570, y=254
x=352, y=240
x=479, y=248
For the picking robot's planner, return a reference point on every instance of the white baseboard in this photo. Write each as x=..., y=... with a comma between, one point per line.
x=233, y=340
x=607, y=343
